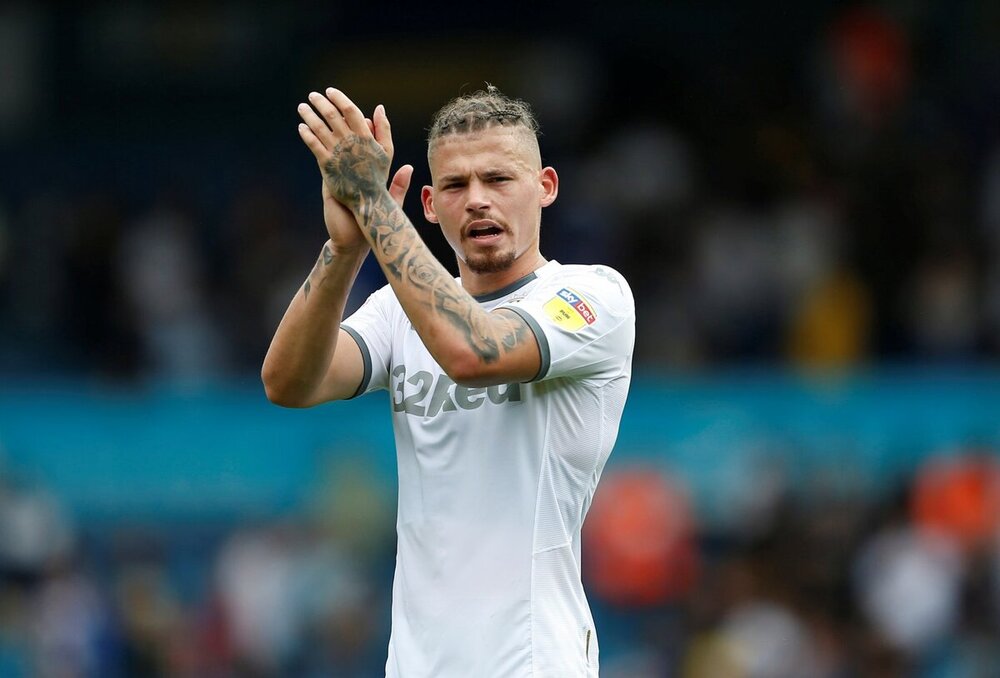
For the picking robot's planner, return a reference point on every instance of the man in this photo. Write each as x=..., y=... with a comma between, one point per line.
x=507, y=385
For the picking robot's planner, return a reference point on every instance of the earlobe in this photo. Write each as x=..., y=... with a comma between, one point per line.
x=427, y=200
x=549, y=185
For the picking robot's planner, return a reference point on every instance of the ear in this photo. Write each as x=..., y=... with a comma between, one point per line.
x=427, y=200
x=549, y=182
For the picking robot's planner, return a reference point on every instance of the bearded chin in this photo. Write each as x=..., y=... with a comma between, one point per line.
x=492, y=262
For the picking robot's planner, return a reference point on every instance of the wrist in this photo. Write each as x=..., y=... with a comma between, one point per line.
x=335, y=271
x=346, y=252
x=365, y=208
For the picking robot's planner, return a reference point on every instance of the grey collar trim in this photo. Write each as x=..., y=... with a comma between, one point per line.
x=504, y=291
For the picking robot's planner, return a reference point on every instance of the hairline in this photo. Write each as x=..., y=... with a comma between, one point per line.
x=526, y=134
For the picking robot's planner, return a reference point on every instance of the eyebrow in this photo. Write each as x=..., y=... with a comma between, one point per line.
x=486, y=174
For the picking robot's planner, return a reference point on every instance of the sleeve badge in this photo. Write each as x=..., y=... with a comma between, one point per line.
x=569, y=310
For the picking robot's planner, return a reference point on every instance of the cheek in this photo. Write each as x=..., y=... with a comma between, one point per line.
x=449, y=230
x=447, y=205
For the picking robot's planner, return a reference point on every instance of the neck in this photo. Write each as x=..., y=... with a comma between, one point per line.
x=478, y=284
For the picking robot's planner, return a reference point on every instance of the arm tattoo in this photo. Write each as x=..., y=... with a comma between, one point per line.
x=514, y=329
x=356, y=167
x=409, y=259
x=354, y=175
x=326, y=257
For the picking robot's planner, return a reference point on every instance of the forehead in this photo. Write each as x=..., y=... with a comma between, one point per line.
x=502, y=146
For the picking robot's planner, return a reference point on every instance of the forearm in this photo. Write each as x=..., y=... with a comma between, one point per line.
x=304, y=344
x=462, y=337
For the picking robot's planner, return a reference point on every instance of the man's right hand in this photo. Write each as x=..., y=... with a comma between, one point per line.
x=315, y=130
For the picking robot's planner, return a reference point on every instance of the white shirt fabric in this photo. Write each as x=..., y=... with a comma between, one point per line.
x=494, y=483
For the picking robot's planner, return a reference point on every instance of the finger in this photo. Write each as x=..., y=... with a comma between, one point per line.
x=314, y=144
x=316, y=125
x=338, y=126
x=352, y=114
x=371, y=125
x=401, y=183
x=383, y=131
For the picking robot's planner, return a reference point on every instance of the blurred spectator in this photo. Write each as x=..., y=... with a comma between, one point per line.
x=256, y=580
x=162, y=274
x=769, y=641
x=908, y=587
x=943, y=311
x=832, y=326
x=736, y=284
x=755, y=634
x=34, y=532
x=816, y=187
x=640, y=534
x=958, y=498
x=263, y=260
x=100, y=320
x=70, y=626
x=870, y=59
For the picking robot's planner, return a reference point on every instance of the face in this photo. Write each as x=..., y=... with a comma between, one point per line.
x=488, y=193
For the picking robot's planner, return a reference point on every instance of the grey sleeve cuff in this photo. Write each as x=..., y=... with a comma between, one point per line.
x=543, y=342
x=365, y=355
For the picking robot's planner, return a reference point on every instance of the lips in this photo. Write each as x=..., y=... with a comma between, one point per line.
x=483, y=230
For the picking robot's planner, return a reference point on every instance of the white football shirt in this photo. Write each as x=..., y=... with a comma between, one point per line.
x=494, y=483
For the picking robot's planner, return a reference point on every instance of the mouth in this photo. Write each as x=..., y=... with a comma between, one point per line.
x=483, y=231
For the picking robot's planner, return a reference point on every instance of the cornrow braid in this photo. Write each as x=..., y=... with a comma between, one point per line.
x=479, y=110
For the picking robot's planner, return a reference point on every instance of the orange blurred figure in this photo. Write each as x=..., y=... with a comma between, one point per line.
x=959, y=497
x=640, y=540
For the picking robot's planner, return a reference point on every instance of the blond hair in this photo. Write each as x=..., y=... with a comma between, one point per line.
x=480, y=110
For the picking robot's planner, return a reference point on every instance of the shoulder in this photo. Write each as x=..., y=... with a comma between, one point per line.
x=594, y=283
x=597, y=275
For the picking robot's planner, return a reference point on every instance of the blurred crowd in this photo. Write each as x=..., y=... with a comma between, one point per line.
x=820, y=190
x=816, y=186
x=819, y=581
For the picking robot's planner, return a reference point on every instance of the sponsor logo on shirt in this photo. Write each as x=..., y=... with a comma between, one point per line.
x=569, y=310
x=423, y=394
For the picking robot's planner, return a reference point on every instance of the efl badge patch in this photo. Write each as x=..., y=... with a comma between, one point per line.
x=569, y=310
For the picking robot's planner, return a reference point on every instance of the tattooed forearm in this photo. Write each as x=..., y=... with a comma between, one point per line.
x=355, y=175
x=326, y=258
x=515, y=330
x=406, y=257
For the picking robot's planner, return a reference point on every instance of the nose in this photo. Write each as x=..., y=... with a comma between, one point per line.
x=477, y=199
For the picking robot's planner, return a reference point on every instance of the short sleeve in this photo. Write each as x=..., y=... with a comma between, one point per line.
x=584, y=320
x=371, y=327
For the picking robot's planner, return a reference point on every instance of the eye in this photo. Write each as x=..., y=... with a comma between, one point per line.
x=497, y=180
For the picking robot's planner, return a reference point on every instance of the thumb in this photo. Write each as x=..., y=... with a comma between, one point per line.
x=401, y=183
